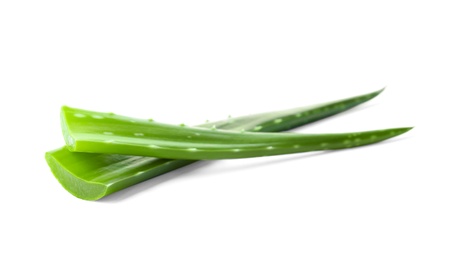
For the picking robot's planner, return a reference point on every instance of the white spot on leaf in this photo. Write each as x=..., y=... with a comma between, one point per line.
x=79, y=115
x=139, y=172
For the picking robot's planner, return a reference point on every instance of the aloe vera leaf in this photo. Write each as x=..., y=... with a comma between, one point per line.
x=92, y=176
x=96, y=132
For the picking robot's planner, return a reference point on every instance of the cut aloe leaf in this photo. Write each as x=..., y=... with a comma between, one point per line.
x=96, y=132
x=92, y=176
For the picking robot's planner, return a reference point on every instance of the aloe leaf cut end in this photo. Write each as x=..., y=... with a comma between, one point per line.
x=92, y=176
x=81, y=188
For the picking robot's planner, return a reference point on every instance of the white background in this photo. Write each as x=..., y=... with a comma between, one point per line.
x=188, y=61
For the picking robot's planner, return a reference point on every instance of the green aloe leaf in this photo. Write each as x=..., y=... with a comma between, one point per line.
x=91, y=176
x=95, y=132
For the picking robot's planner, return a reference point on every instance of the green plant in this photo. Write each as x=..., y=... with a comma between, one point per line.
x=92, y=176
